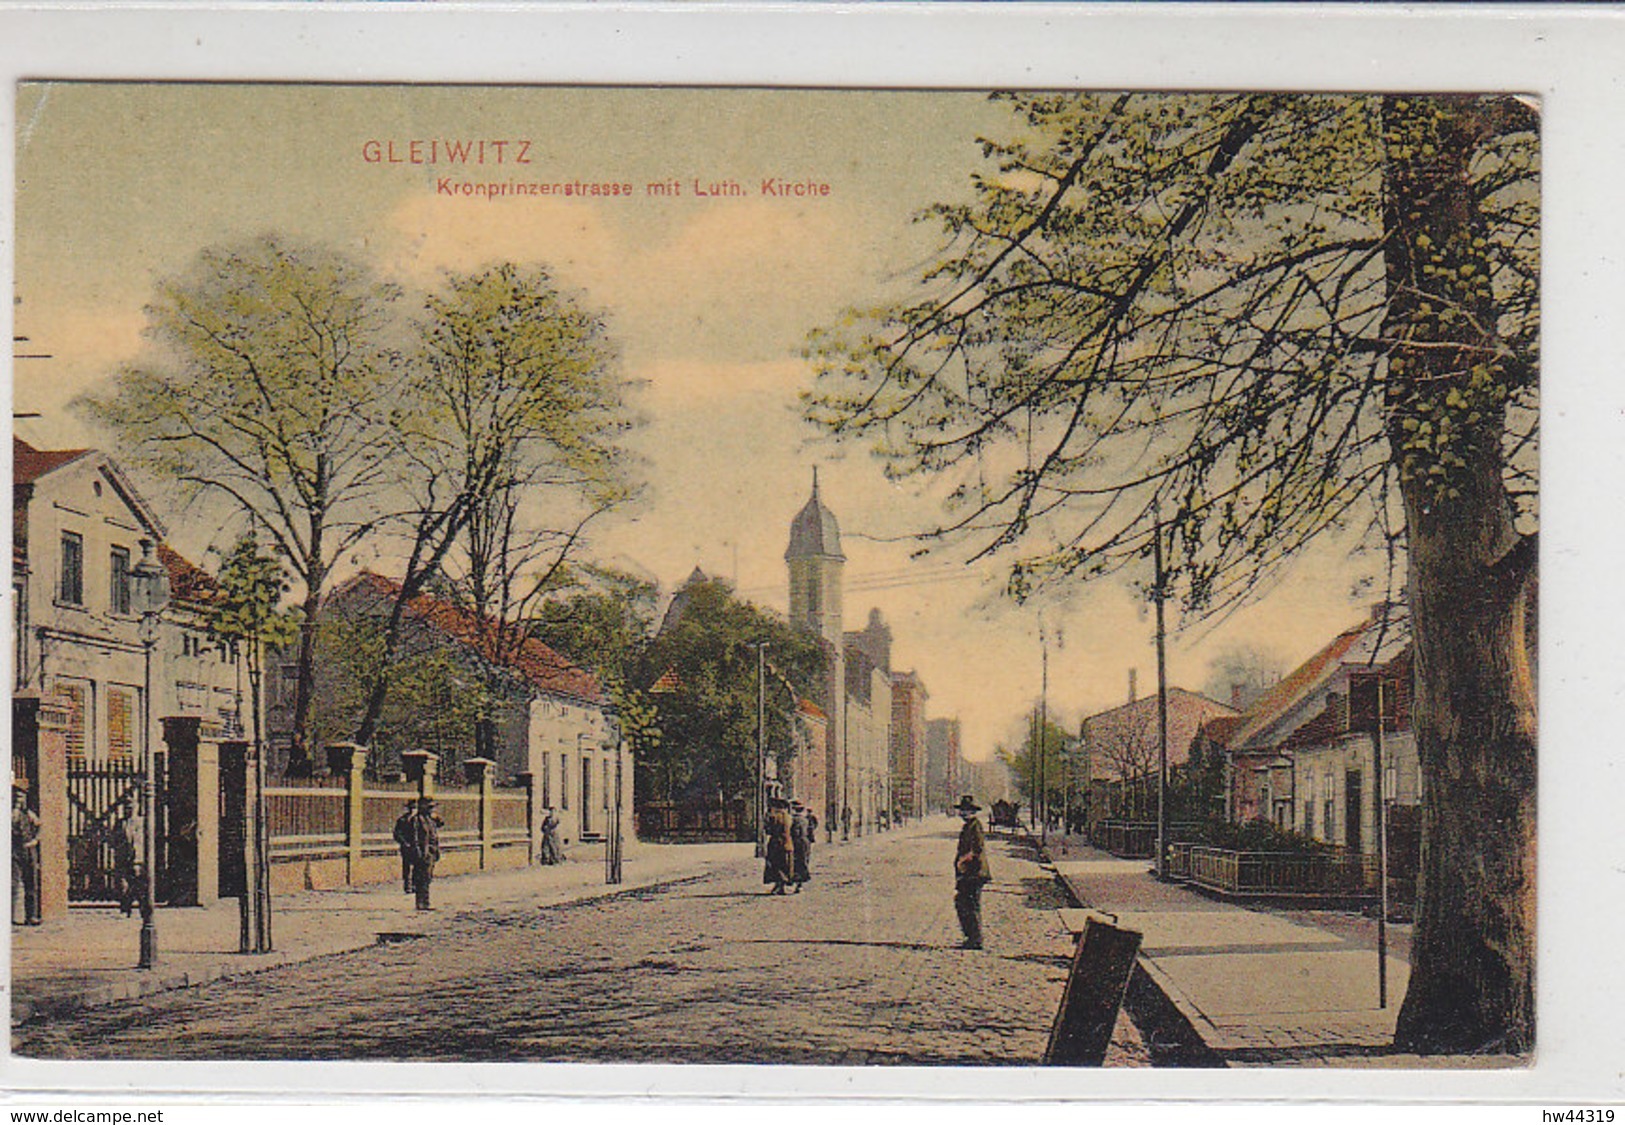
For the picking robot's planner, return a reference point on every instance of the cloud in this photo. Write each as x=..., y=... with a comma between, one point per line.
x=733, y=279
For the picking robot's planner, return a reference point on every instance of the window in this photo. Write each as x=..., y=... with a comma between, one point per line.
x=547, y=781
x=72, y=587
x=77, y=693
x=191, y=698
x=123, y=716
x=118, y=595
x=564, y=781
x=607, y=781
x=1308, y=817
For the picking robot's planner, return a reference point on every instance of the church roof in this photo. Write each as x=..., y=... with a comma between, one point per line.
x=814, y=532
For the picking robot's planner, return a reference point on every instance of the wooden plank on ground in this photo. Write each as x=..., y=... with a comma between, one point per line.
x=1101, y=966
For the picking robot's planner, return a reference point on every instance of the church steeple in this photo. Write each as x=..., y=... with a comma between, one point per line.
x=816, y=561
x=814, y=532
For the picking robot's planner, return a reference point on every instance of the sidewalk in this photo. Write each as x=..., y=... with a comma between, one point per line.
x=1259, y=986
x=88, y=958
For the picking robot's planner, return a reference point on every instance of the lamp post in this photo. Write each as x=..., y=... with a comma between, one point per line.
x=150, y=594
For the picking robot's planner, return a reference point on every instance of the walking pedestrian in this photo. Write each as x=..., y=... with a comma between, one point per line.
x=777, y=870
x=424, y=834
x=25, y=908
x=803, y=824
x=551, y=852
x=403, y=841
x=970, y=872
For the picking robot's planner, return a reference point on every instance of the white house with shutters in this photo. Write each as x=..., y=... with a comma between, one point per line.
x=78, y=529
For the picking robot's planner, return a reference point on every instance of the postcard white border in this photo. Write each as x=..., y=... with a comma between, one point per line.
x=1569, y=57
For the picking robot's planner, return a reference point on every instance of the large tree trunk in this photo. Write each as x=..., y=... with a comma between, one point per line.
x=301, y=762
x=1472, y=955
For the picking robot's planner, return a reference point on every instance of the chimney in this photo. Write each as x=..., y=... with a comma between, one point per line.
x=1235, y=696
x=1133, y=687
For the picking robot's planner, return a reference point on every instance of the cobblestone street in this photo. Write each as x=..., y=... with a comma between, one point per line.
x=862, y=968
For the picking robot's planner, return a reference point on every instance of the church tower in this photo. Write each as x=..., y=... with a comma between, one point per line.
x=816, y=576
x=816, y=565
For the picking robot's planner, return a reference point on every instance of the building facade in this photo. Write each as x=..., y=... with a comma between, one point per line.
x=1121, y=752
x=943, y=785
x=908, y=745
x=1305, y=755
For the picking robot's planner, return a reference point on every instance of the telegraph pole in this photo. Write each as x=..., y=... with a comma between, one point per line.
x=1043, y=737
x=1382, y=858
x=761, y=748
x=1162, y=700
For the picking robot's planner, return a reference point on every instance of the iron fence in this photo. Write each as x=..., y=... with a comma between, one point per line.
x=1329, y=874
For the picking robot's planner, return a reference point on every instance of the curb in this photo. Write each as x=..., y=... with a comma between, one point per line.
x=25, y=1010
x=1166, y=1018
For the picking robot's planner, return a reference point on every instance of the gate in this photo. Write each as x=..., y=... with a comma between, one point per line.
x=95, y=790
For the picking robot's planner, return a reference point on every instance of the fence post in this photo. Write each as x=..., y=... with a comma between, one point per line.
x=349, y=761
x=532, y=821
x=478, y=772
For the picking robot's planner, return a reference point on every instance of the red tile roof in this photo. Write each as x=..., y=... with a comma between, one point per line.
x=29, y=464
x=1275, y=702
x=188, y=582
x=1219, y=728
x=539, y=665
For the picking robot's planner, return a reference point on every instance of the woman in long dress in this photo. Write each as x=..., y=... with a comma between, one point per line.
x=777, y=870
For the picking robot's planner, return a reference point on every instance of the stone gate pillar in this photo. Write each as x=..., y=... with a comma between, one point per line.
x=193, y=812
x=533, y=819
x=39, y=745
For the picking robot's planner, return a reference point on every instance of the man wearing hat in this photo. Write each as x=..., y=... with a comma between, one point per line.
x=423, y=838
x=24, y=857
x=970, y=872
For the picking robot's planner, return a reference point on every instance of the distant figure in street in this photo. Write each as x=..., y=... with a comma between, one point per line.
x=423, y=835
x=403, y=841
x=128, y=838
x=551, y=852
x=802, y=826
x=780, y=849
x=970, y=872
x=24, y=858
x=846, y=822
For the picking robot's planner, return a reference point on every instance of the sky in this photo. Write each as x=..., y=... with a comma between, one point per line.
x=709, y=298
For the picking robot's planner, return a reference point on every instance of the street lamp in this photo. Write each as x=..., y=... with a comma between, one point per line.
x=149, y=594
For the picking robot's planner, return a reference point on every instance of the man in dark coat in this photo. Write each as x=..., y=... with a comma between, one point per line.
x=423, y=835
x=25, y=907
x=403, y=841
x=970, y=872
x=803, y=824
x=128, y=840
x=780, y=849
